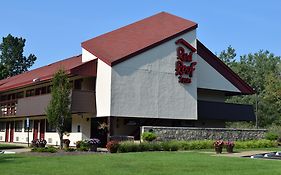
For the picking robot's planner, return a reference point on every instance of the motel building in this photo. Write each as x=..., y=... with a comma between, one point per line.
x=154, y=72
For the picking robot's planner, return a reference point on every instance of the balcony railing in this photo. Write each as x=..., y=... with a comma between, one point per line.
x=81, y=102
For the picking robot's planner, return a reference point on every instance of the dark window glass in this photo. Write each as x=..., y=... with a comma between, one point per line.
x=49, y=89
x=30, y=93
x=44, y=90
x=18, y=126
x=30, y=125
x=68, y=125
x=2, y=126
x=78, y=128
x=37, y=91
x=78, y=84
x=3, y=97
x=49, y=128
x=20, y=95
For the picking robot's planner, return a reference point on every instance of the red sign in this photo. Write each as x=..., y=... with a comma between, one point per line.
x=184, y=64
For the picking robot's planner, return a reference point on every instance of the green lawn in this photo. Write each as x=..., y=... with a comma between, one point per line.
x=9, y=146
x=137, y=163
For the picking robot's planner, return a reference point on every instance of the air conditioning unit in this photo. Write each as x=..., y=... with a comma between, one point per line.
x=50, y=140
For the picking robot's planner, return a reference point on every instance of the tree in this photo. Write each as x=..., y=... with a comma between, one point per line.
x=58, y=111
x=12, y=61
x=228, y=56
x=258, y=69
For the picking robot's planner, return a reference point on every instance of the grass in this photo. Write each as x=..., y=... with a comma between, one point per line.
x=155, y=163
x=10, y=146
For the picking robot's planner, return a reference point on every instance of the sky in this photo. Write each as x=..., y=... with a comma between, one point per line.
x=54, y=29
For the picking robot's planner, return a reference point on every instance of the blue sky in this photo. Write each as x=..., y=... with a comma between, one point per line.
x=54, y=29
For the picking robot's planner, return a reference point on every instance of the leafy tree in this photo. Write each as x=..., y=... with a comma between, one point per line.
x=228, y=56
x=58, y=111
x=258, y=69
x=12, y=61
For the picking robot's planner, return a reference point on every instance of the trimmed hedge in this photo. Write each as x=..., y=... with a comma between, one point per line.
x=125, y=147
x=45, y=149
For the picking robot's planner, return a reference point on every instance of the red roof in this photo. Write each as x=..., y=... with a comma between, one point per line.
x=223, y=69
x=72, y=66
x=133, y=39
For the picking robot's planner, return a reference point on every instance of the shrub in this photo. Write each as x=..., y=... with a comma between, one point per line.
x=69, y=149
x=49, y=149
x=112, y=146
x=125, y=147
x=255, y=144
x=170, y=146
x=148, y=136
x=38, y=143
x=82, y=145
x=271, y=136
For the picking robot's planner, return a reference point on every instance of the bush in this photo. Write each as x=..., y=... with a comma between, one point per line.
x=148, y=136
x=38, y=143
x=255, y=144
x=112, y=146
x=125, y=147
x=69, y=149
x=49, y=149
x=82, y=145
x=271, y=136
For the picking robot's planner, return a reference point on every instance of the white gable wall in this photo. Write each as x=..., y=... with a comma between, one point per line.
x=209, y=78
x=146, y=85
x=103, y=89
x=87, y=56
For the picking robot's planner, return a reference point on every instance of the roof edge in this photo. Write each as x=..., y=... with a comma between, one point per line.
x=223, y=69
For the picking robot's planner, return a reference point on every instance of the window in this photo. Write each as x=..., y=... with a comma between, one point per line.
x=18, y=126
x=20, y=94
x=30, y=93
x=49, y=128
x=2, y=126
x=68, y=124
x=78, y=84
x=30, y=126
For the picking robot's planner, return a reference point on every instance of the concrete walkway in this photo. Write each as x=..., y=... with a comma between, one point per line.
x=243, y=153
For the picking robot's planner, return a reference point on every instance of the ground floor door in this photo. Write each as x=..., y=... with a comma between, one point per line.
x=35, y=129
x=12, y=130
x=7, y=132
x=99, y=129
x=42, y=129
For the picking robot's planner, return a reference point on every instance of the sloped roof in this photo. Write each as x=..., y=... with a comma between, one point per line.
x=128, y=41
x=223, y=69
x=72, y=66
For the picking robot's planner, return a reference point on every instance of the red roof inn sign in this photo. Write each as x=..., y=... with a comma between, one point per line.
x=184, y=64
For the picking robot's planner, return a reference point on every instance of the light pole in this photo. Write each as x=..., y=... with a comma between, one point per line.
x=256, y=110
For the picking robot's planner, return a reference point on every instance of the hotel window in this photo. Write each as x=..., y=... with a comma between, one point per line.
x=78, y=84
x=18, y=126
x=20, y=94
x=2, y=126
x=30, y=126
x=30, y=93
x=49, y=128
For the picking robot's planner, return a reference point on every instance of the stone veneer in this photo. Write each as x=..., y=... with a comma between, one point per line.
x=188, y=133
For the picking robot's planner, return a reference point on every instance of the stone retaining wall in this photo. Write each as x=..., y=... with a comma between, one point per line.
x=188, y=133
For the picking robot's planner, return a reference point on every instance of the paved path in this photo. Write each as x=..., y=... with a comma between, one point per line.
x=244, y=153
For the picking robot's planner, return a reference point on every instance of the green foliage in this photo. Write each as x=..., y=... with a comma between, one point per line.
x=69, y=149
x=58, y=110
x=82, y=145
x=45, y=149
x=271, y=136
x=240, y=125
x=148, y=136
x=228, y=56
x=262, y=71
x=255, y=144
x=125, y=147
x=12, y=61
